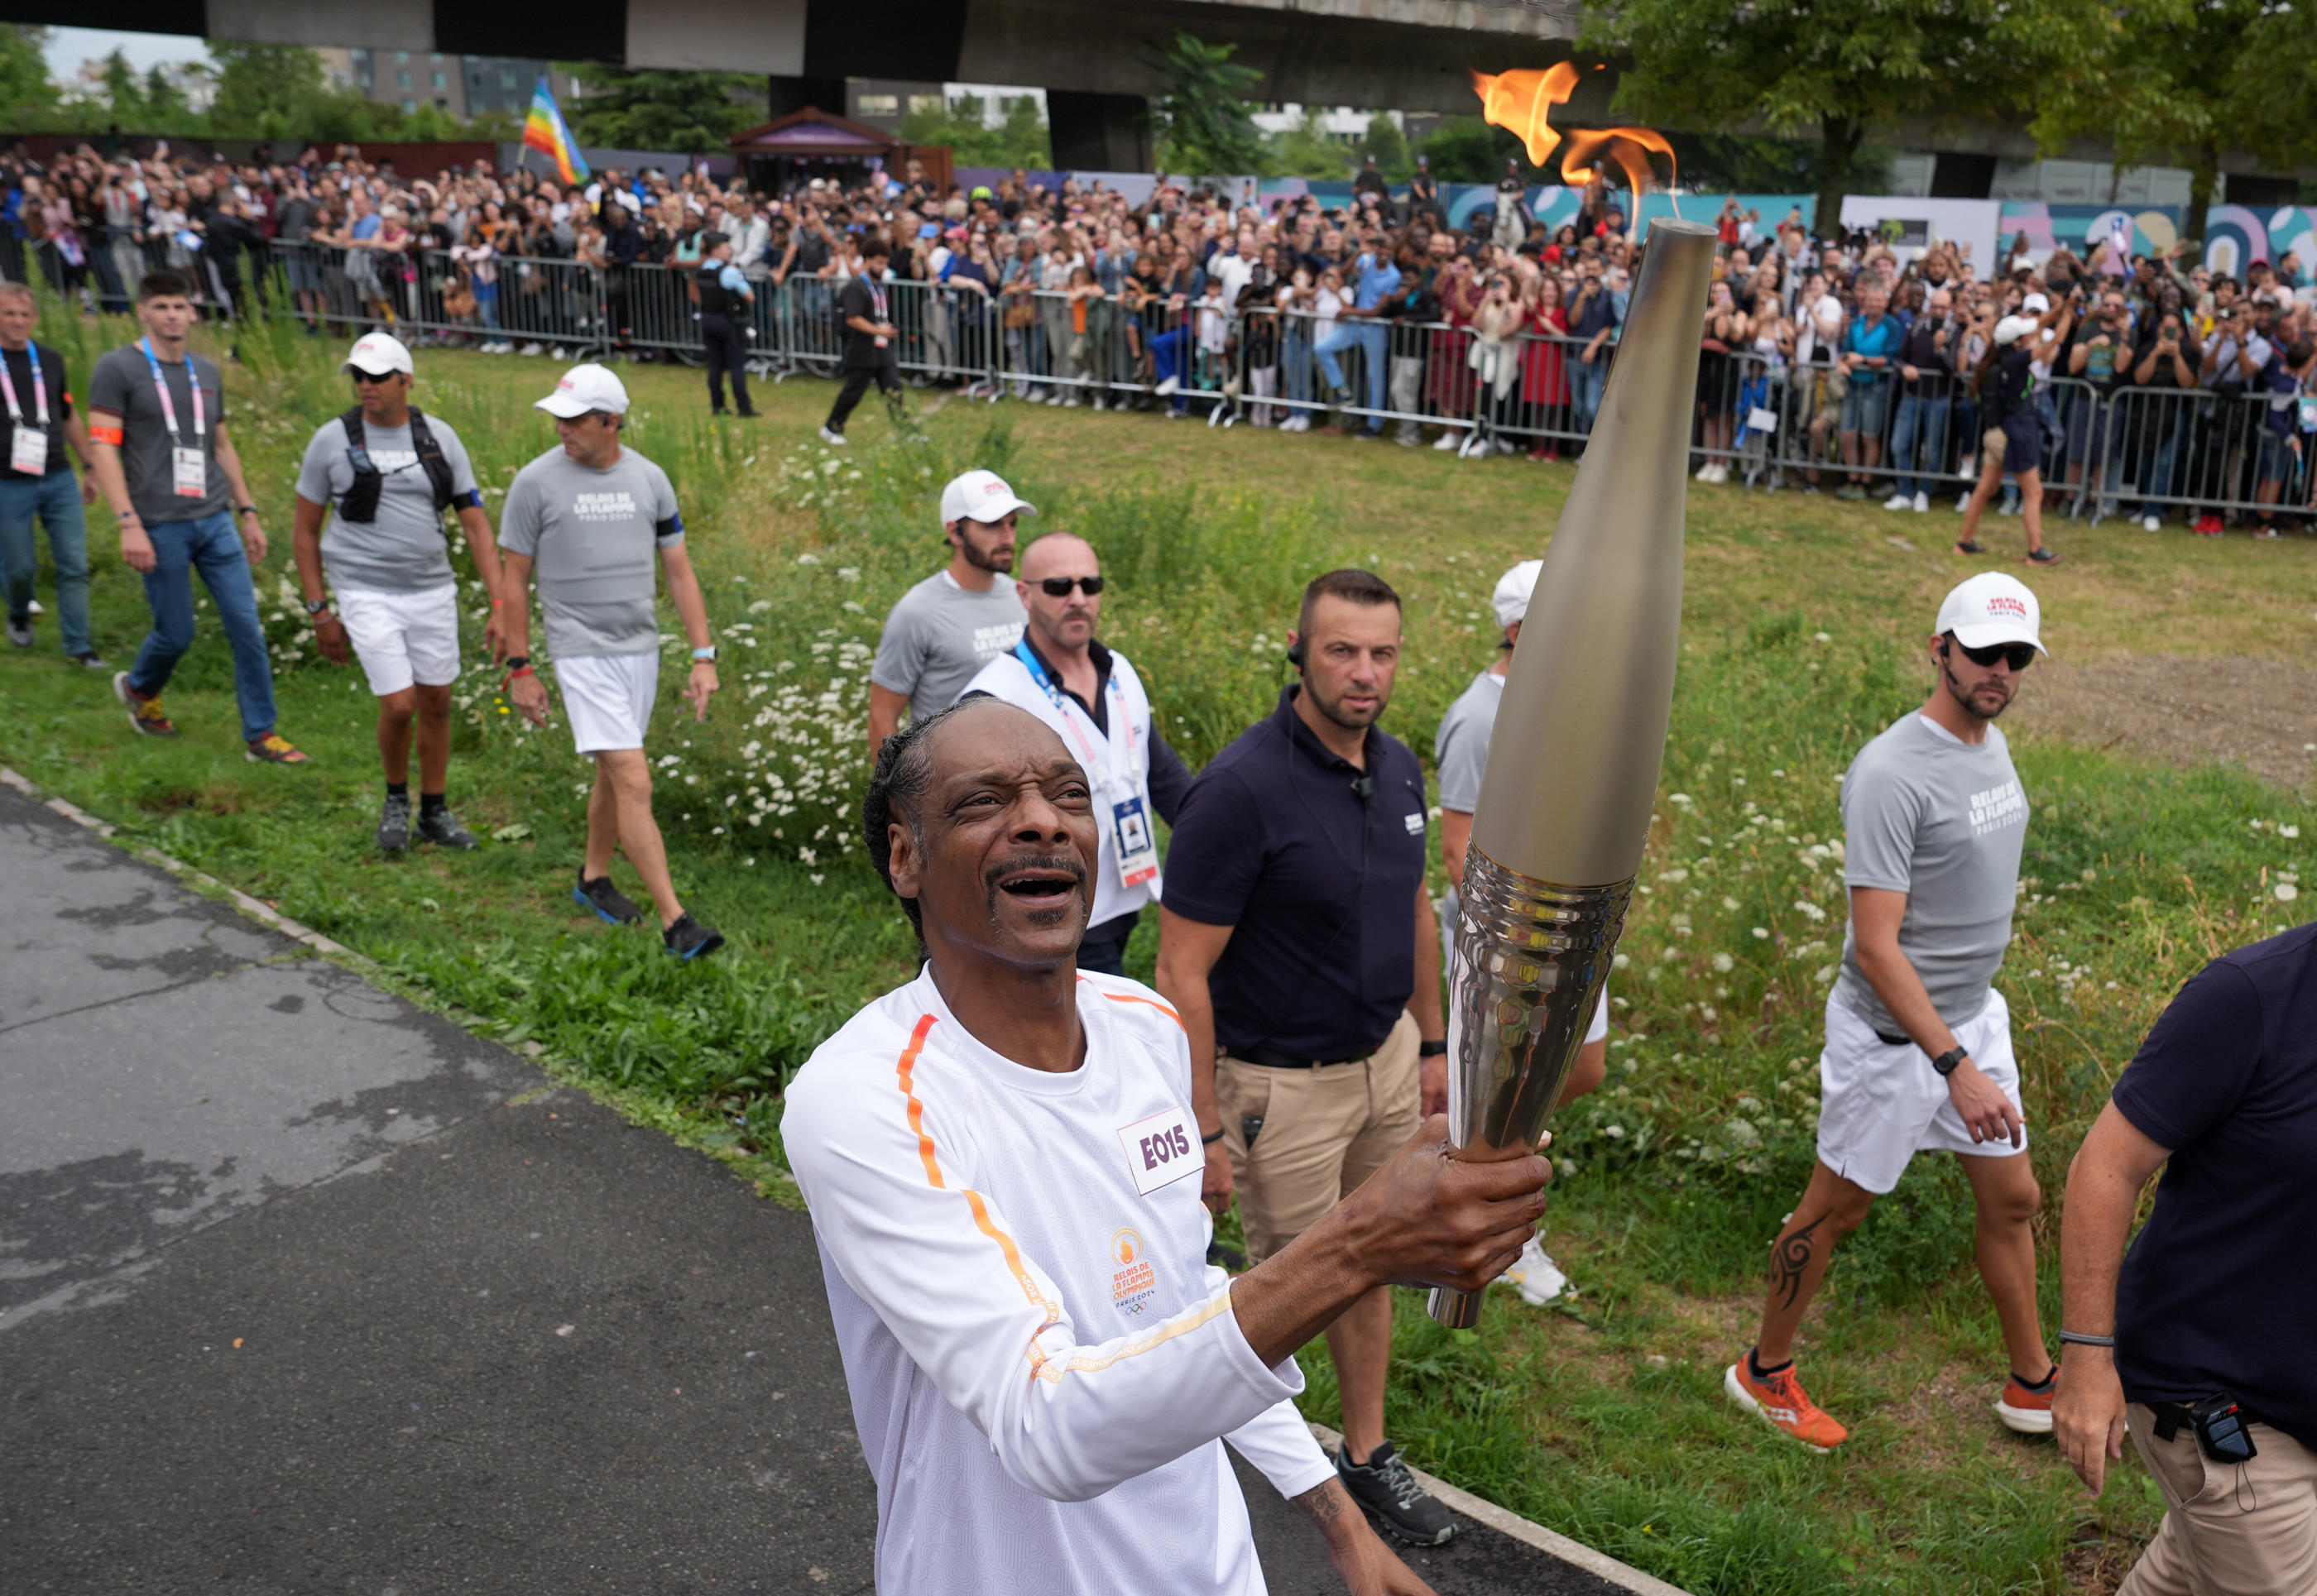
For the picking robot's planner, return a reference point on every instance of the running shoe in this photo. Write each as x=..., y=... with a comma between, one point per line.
x=20, y=630
x=273, y=749
x=606, y=900
x=439, y=826
x=1389, y=1492
x=91, y=661
x=2027, y=1408
x=832, y=437
x=1534, y=1275
x=144, y=713
x=1779, y=1400
x=394, y=823
x=687, y=938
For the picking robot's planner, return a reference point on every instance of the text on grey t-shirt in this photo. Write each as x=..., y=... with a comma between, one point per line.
x=402, y=549
x=122, y=383
x=940, y=636
x=1943, y=821
x=592, y=536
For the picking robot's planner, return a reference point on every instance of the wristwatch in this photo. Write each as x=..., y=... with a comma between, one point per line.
x=706, y=656
x=1432, y=1049
x=316, y=606
x=1945, y=1062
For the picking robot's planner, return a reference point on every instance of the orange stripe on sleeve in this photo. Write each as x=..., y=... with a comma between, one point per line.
x=1128, y=997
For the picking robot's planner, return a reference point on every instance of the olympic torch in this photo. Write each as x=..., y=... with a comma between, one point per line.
x=1572, y=776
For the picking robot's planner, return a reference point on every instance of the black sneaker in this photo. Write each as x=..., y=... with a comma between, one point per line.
x=606, y=900
x=1384, y=1487
x=394, y=823
x=687, y=938
x=91, y=661
x=440, y=826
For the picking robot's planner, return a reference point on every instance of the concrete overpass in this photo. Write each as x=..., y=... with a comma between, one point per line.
x=1090, y=56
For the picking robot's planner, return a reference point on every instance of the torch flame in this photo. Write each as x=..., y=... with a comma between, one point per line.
x=1519, y=101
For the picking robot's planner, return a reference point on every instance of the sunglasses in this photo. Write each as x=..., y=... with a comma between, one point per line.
x=2018, y=656
x=1058, y=587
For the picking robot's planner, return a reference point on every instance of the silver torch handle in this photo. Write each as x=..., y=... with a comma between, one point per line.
x=1531, y=959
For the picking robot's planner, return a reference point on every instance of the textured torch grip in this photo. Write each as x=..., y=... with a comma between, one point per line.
x=1530, y=958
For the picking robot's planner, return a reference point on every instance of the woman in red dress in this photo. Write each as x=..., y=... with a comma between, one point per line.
x=1545, y=368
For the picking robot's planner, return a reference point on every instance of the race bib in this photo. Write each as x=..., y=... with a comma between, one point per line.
x=191, y=472
x=1161, y=1150
x=27, y=451
x=1138, y=849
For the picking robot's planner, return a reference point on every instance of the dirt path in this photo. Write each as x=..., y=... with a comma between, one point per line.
x=2258, y=713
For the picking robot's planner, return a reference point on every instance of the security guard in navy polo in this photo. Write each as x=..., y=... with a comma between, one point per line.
x=725, y=300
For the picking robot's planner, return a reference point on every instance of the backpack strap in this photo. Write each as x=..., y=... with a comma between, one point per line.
x=431, y=459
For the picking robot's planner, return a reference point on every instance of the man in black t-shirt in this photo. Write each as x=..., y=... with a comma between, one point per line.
x=865, y=313
x=2216, y=1298
x=2153, y=412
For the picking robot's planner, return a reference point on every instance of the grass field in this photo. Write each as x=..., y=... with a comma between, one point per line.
x=1601, y=1417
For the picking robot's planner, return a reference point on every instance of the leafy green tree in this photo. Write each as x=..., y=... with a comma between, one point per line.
x=1467, y=149
x=1201, y=121
x=2181, y=82
x=1837, y=68
x=1306, y=150
x=688, y=112
x=27, y=99
x=1022, y=139
x=280, y=91
x=1389, y=146
x=165, y=109
x=120, y=92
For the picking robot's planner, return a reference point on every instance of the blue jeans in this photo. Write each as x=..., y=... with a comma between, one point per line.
x=1295, y=361
x=1368, y=337
x=1920, y=433
x=55, y=498
x=1587, y=378
x=212, y=547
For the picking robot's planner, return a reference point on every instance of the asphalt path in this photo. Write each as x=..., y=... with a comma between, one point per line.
x=304, y=1289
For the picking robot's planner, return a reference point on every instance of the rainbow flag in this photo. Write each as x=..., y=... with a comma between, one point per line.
x=544, y=131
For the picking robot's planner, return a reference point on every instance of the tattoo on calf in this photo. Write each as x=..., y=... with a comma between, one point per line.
x=1790, y=1262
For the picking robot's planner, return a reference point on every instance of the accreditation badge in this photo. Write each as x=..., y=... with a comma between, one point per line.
x=27, y=451
x=1138, y=849
x=191, y=472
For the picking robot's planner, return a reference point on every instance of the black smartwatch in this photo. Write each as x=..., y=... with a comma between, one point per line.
x=517, y=661
x=1945, y=1062
x=316, y=606
x=1432, y=1049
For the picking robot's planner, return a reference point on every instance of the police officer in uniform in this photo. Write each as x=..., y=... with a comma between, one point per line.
x=726, y=299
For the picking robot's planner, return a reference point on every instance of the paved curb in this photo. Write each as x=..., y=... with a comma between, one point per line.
x=1599, y=1564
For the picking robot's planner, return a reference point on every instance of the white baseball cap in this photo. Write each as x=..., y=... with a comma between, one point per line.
x=585, y=387
x=980, y=496
x=2013, y=328
x=1513, y=589
x=378, y=353
x=2034, y=305
x=1993, y=608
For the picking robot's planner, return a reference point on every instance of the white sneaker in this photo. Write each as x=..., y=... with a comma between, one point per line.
x=1898, y=502
x=1100, y=403
x=1054, y=397
x=1535, y=1276
x=534, y=349
x=1721, y=471
x=1705, y=473
x=1922, y=503
x=1167, y=386
x=2149, y=523
x=1072, y=402
x=1962, y=501
x=828, y=437
x=1450, y=438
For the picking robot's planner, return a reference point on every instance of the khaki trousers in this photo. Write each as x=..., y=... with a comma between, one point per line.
x=2242, y=1530
x=1326, y=1129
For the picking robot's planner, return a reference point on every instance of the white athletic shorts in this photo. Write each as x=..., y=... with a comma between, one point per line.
x=403, y=637
x=608, y=698
x=1880, y=1103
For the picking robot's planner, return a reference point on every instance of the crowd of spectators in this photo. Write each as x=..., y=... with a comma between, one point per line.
x=1842, y=363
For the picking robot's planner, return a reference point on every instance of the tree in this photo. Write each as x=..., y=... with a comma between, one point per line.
x=280, y=91
x=120, y=95
x=1466, y=149
x=1834, y=67
x=1306, y=150
x=1389, y=146
x=1021, y=140
x=27, y=98
x=682, y=113
x=1203, y=124
x=2185, y=81
x=165, y=108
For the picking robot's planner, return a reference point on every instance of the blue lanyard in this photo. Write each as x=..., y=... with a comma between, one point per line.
x=1120, y=720
x=168, y=407
x=40, y=392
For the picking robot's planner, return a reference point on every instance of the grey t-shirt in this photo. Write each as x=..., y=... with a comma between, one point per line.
x=402, y=549
x=1943, y=821
x=938, y=637
x=1461, y=751
x=592, y=536
x=122, y=383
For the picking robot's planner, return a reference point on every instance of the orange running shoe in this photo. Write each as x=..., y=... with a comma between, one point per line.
x=2024, y=1408
x=1780, y=1400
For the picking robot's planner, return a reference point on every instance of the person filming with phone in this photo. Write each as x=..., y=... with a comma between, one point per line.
x=2198, y=1340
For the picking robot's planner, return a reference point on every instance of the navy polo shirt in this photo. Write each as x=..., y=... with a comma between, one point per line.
x=2217, y=1293
x=1269, y=840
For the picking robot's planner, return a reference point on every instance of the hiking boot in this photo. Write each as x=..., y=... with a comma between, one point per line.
x=144, y=714
x=394, y=823
x=1390, y=1493
x=1779, y=1400
x=20, y=630
x=687, y=938
x=606, y=899
x=439, y=826
x=273, y=749
x=2027, y=1408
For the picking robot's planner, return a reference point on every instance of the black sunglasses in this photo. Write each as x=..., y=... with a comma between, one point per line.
x=2018, y=656
x=1058, y=587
